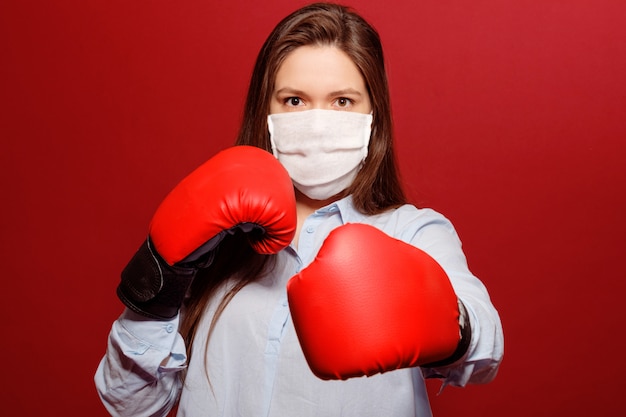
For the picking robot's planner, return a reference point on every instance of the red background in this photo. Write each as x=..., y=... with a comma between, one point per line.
x=509, y=118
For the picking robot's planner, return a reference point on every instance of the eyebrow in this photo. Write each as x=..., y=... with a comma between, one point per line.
x=289, y=90
x=346, y=92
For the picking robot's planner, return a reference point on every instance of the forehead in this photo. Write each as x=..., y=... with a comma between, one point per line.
x=319, y=67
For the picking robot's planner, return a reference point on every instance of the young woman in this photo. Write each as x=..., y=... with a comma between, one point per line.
x=300, y=283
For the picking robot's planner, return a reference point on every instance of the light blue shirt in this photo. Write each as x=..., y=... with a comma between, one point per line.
x=253, y=365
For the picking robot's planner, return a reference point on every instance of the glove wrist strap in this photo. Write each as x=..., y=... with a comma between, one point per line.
x=151, y=287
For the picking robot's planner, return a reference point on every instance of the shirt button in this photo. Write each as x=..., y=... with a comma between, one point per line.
x=310, y=229
x=169, y=328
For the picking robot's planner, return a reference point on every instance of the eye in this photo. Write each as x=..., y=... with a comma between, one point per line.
x=293, y=101
x=343, y=102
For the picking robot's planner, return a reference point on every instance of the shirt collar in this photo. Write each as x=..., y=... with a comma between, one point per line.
x=347, y=211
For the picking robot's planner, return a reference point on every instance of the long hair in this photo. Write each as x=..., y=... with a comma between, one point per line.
x=376, y=187
x=234, y=262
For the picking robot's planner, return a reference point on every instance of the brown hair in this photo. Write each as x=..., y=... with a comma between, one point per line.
x=376, y=187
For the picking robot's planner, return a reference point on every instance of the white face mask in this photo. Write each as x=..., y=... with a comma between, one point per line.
x=322, y=150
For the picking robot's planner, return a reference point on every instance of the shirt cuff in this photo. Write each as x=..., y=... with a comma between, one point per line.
x=149, y=332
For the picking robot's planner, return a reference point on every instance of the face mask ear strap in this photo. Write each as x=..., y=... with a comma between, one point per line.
x=270, y=128
x=367, y=134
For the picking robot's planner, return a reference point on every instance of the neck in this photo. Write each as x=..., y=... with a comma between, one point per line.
x=305, y=207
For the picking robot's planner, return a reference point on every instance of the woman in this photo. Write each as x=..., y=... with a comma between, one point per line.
x=245, y=345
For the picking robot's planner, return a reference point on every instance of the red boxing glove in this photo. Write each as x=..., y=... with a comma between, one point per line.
x=243, y=187
x=370, y=303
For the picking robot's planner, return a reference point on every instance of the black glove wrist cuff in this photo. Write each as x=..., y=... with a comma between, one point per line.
x=151, y=287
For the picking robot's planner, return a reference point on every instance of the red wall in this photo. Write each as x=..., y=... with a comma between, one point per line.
x=510, y=120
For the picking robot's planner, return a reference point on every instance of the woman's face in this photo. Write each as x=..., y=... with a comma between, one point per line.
x=319, y=77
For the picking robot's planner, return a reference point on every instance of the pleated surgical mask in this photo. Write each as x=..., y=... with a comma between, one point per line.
x=322, y=150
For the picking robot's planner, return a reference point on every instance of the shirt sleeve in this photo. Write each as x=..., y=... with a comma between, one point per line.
x=140, y=372
x=434, y=234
